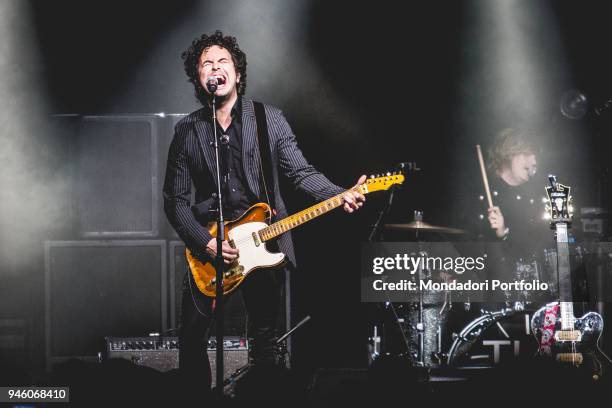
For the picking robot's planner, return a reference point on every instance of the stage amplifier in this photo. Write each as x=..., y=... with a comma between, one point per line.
x=161, y=353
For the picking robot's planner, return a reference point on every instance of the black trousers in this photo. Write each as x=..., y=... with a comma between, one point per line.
x=262, y=294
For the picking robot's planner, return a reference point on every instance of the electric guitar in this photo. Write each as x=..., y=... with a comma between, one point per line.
x=559, y=333
x=250, y=232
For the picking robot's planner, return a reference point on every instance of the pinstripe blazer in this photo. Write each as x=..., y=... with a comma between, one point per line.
x=191, y=161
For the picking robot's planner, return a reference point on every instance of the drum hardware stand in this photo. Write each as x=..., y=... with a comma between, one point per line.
x=374, y=234
x=418, y=360
x=375, y=345
x=420, y=326
x=439, y=355
x=448, y=303
x=497, y=315
x=502, y=330
x=389, y=305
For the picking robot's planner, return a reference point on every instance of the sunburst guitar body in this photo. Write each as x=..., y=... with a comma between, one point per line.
x=241, y=234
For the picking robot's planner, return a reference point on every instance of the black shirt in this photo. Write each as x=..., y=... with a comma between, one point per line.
x=529, y=233
x=523, y=212
x=237, y=195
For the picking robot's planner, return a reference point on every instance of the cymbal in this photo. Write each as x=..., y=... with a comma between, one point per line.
x=423, y=226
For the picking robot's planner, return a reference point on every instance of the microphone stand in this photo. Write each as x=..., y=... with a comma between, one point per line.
x=282, y=352
x=383, y=213
x=281, y=343
x=219, y=257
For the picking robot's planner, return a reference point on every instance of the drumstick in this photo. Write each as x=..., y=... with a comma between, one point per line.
x=485, y=180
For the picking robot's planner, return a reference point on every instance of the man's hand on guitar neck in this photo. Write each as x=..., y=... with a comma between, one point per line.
x=354, y=200
x=229, y=254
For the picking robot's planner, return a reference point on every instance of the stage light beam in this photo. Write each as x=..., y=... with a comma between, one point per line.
x=29, y=192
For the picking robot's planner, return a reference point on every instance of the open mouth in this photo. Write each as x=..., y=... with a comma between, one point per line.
x=220, y=79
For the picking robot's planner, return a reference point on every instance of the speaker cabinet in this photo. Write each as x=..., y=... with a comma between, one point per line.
x=95, y=289
x=116, y=189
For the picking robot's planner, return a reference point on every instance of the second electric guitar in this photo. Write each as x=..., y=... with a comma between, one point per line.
x=565, y=337
x=250, y=232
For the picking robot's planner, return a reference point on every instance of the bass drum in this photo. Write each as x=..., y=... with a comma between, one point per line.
x=493, y=339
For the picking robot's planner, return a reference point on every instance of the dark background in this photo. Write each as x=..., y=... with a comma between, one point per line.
x=364, y=86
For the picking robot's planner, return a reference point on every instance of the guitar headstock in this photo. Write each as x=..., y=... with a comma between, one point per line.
x=559, y=208
x=383, y=182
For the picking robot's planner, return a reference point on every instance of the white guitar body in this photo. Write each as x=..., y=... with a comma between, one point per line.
x=252, y=254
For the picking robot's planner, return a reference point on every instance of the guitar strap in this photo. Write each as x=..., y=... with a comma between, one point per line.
x=548, y=327
x=265, y=155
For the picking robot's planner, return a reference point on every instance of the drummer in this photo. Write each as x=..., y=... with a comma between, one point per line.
x=513, y=162
x=516, y=218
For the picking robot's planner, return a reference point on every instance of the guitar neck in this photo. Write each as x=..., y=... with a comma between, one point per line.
x=310, y=213
x=567, y=315
x=564, y=276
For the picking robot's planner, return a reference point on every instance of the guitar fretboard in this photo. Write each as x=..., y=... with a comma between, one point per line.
x=310, y=213
x=564, y=276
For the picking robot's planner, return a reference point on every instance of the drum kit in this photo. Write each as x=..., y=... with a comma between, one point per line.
x=437, y=333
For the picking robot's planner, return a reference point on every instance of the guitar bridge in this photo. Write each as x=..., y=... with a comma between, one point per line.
x=574, y=358
x=230, y=273
x=568, y=335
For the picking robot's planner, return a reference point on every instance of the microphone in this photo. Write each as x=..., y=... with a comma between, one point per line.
x=212, y=83
x=532, y=172
x=408, y=166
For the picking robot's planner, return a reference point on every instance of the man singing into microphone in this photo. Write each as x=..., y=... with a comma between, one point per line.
x=215, y=64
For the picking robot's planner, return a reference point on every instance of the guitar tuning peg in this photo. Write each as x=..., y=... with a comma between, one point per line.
x=371, y=176
x=388, y=174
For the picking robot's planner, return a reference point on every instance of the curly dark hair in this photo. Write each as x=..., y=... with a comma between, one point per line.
x=508, y=144
x=191, y=59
